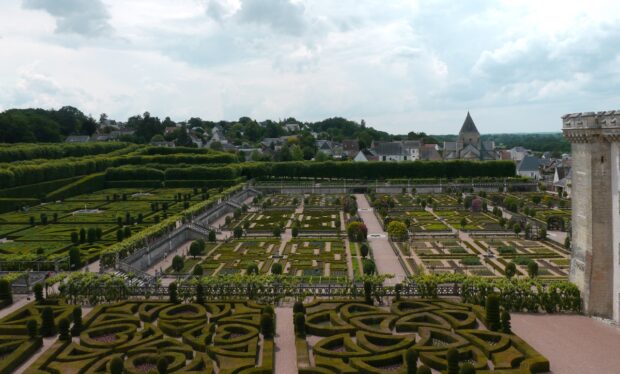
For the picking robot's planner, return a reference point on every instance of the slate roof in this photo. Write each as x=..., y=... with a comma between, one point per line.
x=529, y=163
x=388, y=148
x=469, y=125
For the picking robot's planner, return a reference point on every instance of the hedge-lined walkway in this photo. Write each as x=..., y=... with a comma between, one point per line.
x=385, y=258
x=573, y=344
x=286, y=354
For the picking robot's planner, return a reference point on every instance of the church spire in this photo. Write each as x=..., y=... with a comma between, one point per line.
x=469, y=125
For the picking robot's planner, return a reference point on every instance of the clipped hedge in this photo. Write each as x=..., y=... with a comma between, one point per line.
x=28, y=151
x=37, y=189
x=379, y=170
x=124, y=173
x=87, y=184
x=9, y=205
x=198, y=172
x=202, y=183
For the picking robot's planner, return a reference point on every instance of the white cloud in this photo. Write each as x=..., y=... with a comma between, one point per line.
x=402, y=65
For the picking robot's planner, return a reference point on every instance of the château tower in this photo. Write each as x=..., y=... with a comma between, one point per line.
x=595, y=260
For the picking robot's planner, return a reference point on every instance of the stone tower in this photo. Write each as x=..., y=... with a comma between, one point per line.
x=469, y=133
x=595, y=261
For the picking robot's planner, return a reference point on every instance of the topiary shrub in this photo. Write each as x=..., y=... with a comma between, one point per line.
x=38, y=293
x=506, y=327
x=117, y=366
x=364, y=250
x=510, y=270
x=532, y=269
x=492, y=312
x=172, y=293
x=368, y=292
x=162, y=365
x=411, y=360
x=6, y=293
x=276, y=268
x=63, y=330
x=200, y=294
x=424, y=370
x=369, y=267
x=252, y=269
x=267, y=326
x=300, y=324
x=48, y=328
x=268, y=309
x=467, y=368
x=398, y=288
x=32, y=328
x=299, y=307
x=452, y=358
x=76, y=329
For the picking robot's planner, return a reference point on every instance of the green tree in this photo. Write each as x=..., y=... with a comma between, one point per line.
x=48, y=328
x=238, y=232
x=364, y=250
x=297, y=153
x=177, y=263
x=452, y=357
x=510, y=270
x=252, y=269
x=117, y=365
x=505, y=321
x=276, y=268
x=300, y=324
x=76, y=329
x=195, y=249
x=200, y=294
x=172, y=293
x=38, y=293
x=411, y=359
x=63, y=330
x=32, y=328
x=532, y=269
x=517, y=229
x=397, y=231
x=211, y=237
x=6, y=293
x=492, y=312
x=74, y=258
x=266, y=326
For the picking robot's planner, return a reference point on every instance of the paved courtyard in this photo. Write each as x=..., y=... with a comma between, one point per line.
x=573, y=344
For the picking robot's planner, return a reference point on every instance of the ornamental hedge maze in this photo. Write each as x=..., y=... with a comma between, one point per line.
x=146, y=335
x=354, y=337
x=124, y=207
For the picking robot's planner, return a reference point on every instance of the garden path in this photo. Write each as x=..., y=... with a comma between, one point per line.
x=286, y=352
x=573, y=344
x=385, y=258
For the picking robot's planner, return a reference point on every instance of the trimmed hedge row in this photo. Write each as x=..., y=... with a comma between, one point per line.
x=87, y=184
x=9, y=205
x=19, y=152
x=379, y=170
x=38, y=189
x=124, y=173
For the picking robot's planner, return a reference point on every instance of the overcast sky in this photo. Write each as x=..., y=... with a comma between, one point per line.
x=400, y=65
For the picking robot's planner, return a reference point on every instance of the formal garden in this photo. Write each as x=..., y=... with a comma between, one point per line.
x=337, y=336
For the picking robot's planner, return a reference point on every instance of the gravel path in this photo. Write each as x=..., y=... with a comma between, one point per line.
x=385, y=258
x=573, y=344
x=286, y=353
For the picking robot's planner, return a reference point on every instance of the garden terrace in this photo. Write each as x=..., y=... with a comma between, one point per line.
x=315, y=258
x=234, y=257
x=142, y=332
x=46, y=230
x=16, y=347
x=473, y=221
x=333, y=201
x=323, y=221
x=354, y=337
x=281, y=201
x=540, y=206
x=485, y=257
x=264, y=222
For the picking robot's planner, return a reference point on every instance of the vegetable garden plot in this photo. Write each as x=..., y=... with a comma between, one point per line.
x=281, y=200
x=324, y=200
x=267, y=220
x=353, y=337
x=214, y=337
x=318, y=221
x=236, y=256
x=312, y=257
x=473, y=221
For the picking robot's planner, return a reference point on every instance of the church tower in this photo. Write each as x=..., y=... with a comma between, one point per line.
x=469, y=133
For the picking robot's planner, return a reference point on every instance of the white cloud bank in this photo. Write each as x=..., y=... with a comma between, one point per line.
x=401, y=65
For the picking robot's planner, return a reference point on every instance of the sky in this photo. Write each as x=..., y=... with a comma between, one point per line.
x=516, y=65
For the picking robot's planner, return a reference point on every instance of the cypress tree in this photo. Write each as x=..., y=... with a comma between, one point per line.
x=452, y=357
x=492, y=312
x=411, y=358
x=48, y=328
